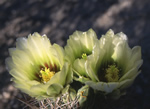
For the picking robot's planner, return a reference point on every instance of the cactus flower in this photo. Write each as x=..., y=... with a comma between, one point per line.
x=38, y=67
x=114, y=66
x=80, y=46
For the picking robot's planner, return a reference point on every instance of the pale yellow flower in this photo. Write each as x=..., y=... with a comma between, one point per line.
x=38, y=67
x=114, y=66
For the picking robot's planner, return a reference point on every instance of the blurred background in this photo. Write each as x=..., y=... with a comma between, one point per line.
x=60, y=18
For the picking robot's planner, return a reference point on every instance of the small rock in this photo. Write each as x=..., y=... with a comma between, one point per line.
x=6, y=95
x=11, y=88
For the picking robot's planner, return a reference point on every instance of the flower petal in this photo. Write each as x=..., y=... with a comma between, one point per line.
x=79, y=66
x=54, y=89
x=103, y=86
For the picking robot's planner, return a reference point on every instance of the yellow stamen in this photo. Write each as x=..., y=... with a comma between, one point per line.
x=46, y=74
x=84, y=56
x=82, y=94
x=112, y=74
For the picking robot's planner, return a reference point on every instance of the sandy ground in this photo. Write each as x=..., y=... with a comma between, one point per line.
x=60, y=18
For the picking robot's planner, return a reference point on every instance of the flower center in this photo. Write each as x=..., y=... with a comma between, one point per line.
x=109, y=72
x=46, y=74
x=84, y=56
x=112, y=74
